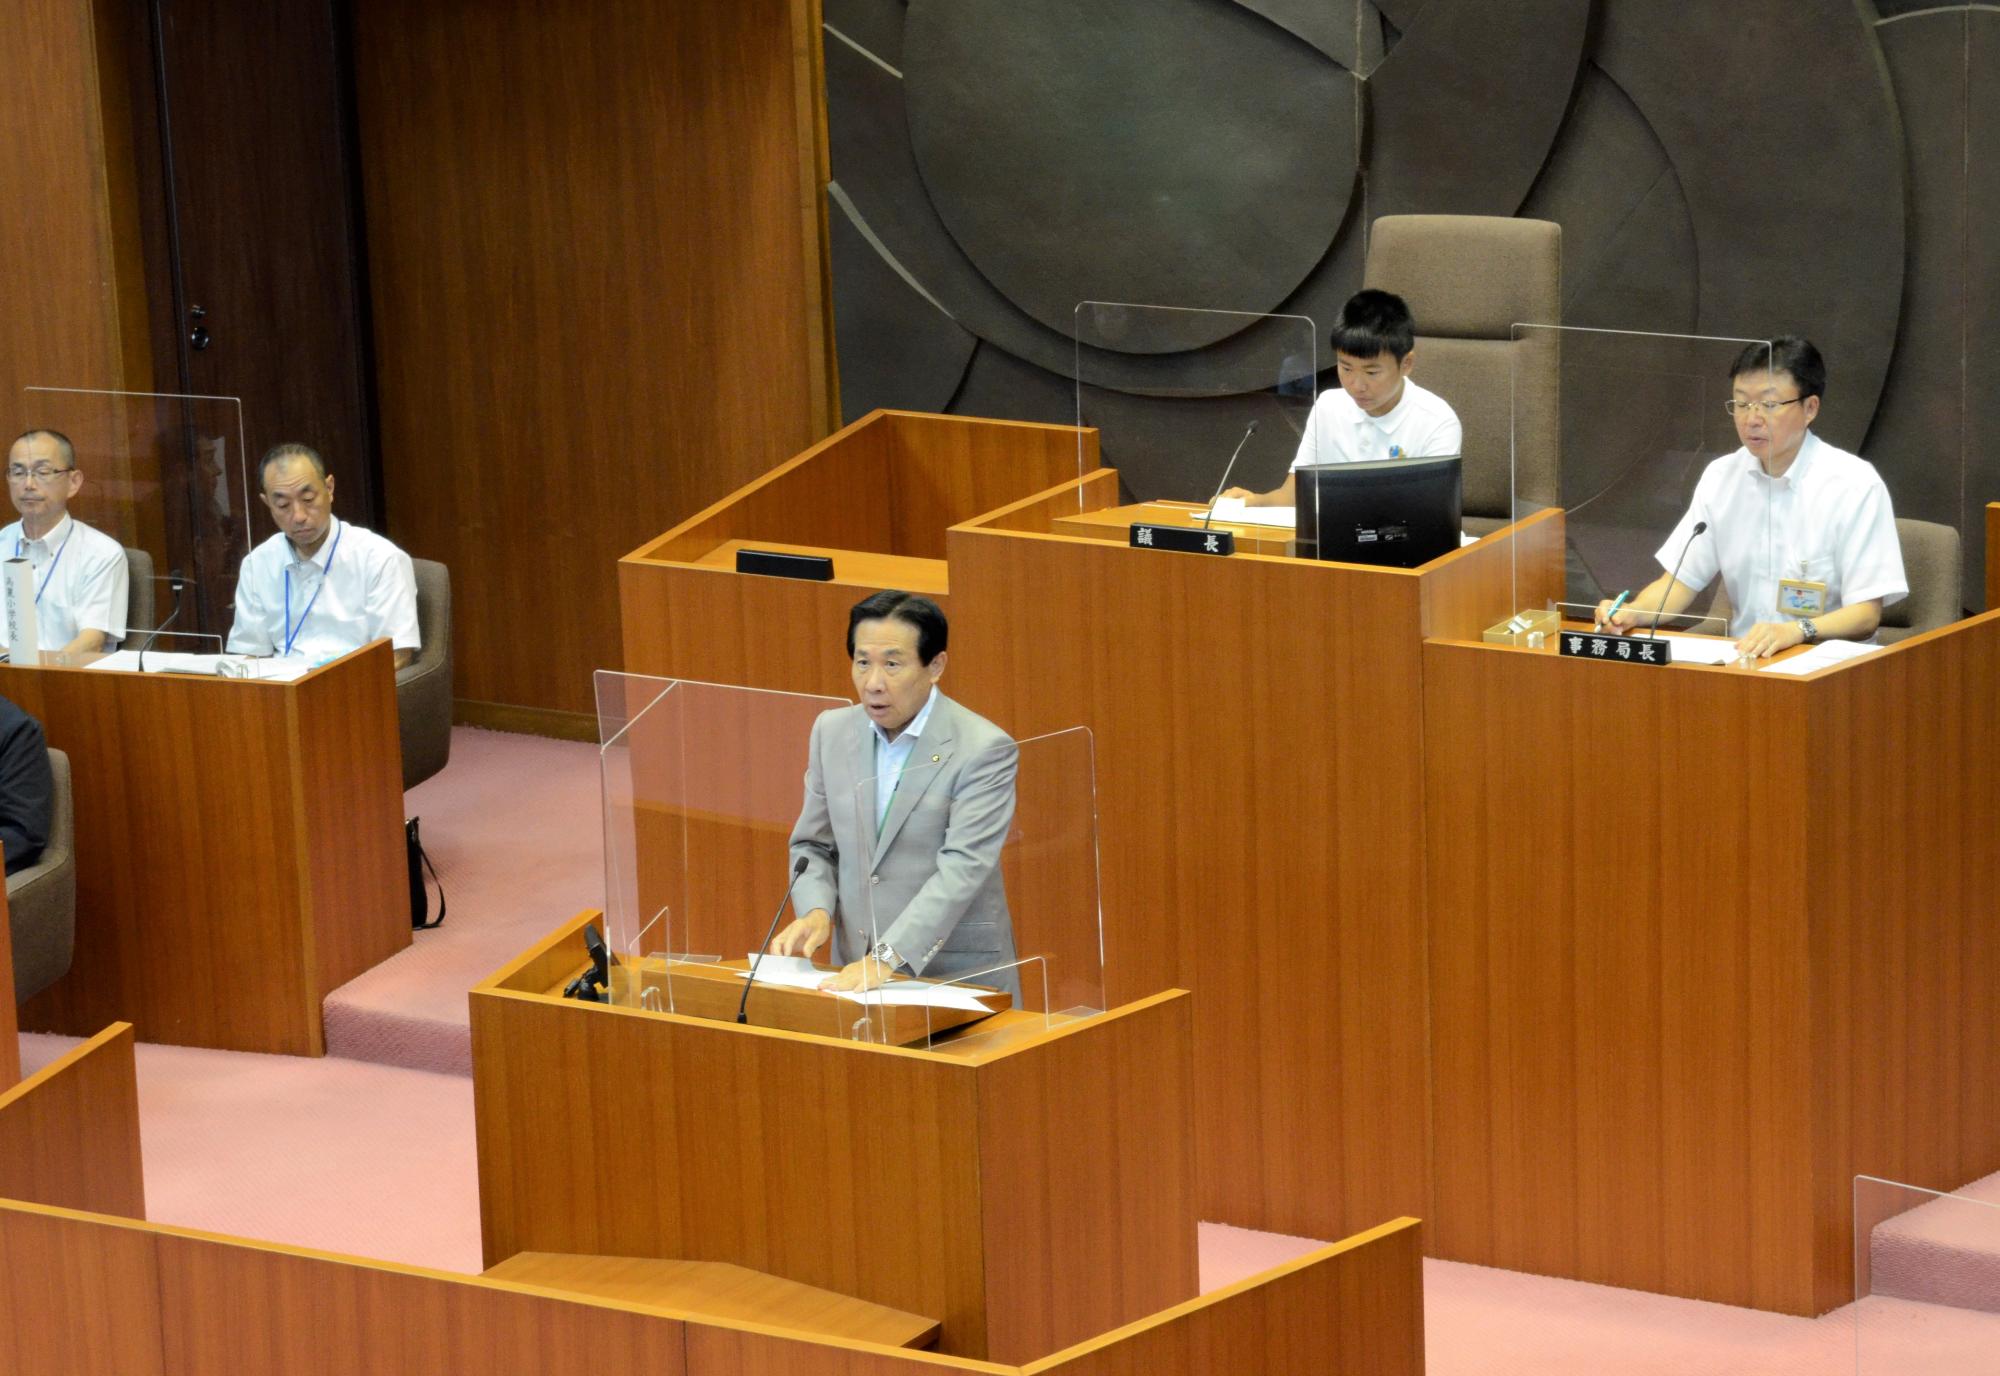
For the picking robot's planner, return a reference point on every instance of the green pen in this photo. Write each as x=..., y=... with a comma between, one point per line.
x=1614, y=610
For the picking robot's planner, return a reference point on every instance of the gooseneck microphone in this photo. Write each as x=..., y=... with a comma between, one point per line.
x=1674, y=577
x=175, y=581
x=1227, y=470
x=743, y=1004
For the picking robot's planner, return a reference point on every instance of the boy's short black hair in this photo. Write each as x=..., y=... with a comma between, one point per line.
x=1786, y=354
x=1373, y=323
x=933, y=632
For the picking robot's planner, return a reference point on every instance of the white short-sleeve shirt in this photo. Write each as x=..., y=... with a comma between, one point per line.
x=1827, y=520
x=81, y=582
x=357, y=587
x=1422, y=425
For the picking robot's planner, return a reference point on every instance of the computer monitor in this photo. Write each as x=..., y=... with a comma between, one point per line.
x=1396, y=512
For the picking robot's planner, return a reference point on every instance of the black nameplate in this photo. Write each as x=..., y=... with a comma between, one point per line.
x=1618, y=649
x=1183, y=539
x=816, y=567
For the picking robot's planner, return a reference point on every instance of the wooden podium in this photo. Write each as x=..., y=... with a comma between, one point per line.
x=1259, y=738
x=1705, y=944
x=239, y=848
x=1026, y=1191
x=876, y=497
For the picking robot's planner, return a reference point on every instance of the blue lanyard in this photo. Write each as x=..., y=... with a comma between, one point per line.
x=20, y=548
x=291, y=631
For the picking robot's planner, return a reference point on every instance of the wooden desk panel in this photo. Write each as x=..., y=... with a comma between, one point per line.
x=239, y=848
x=1114, y=525
x=615, y=1131
x=69, y=1134
x=10, y=1032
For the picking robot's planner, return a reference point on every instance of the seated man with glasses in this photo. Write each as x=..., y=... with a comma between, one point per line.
x=80, y=576
x=1802, y=534
x=319, y=587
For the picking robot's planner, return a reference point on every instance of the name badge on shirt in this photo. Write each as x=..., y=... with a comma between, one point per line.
x=1801, y=597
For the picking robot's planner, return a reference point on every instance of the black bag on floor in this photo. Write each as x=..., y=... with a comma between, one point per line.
x=420, y=905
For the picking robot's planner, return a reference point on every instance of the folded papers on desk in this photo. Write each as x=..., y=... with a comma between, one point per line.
x=798, y=972
x=1821, y=656
x=226, y=666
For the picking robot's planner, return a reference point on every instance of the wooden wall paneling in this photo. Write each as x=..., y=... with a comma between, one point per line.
x=10, y=1031
x=79, y=1296
x=1904, y=805
x=1095, y=491
x=70, y=250
x=1093, y=1213
x=349, y=820
x=947, y=469
x=1354, y=1306
x=1993, y=556
x=1272, y=862
x=69, y=1134
x=1618, y=973
x=592, y=317
x=1517, y=568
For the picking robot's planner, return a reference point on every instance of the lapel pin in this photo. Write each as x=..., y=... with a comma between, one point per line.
x=936, y=758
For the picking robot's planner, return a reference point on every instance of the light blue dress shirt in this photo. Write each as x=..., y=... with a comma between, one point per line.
x=891, y=756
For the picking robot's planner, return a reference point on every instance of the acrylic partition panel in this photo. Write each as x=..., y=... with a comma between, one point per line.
x=1173, y=391
x=165, y=475
x=1926, y=1281
x=988, y=883
x=702, y=785
x=1615, y=429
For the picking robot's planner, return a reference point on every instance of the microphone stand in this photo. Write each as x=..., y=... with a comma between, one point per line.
x=174, y=580
x=1653, y=631
x=1227, y=470
x=743, y=1004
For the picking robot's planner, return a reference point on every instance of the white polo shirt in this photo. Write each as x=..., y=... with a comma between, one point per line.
x=1421, y=425
x=1827, y=520
x=81, y=582
x=357, y=587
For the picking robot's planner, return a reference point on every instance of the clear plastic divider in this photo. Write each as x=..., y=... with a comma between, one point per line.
x=702, y=786
x=983, y=881
x=1613, y=430
x=1926, y=1281
x=164, y=474
x=1251, y=369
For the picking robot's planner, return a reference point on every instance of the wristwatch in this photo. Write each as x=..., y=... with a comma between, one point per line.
x=1808, y=630
x=886, y=953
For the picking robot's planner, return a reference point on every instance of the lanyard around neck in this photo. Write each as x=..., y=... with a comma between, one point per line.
x=21, y=547
x=291, y=631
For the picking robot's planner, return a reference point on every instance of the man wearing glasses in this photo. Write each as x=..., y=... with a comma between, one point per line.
x=1802, y=534
x=80, y=575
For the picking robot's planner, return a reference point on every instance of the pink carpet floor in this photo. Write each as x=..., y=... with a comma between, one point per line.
x=370, y=1151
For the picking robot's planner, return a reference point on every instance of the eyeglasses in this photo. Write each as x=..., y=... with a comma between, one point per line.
x=1757, y=408
x=40, y=473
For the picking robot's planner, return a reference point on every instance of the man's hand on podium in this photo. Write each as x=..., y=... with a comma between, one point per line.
x=804, y=936
x=865, y=973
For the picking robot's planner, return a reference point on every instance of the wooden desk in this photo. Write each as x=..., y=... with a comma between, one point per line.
x=1114, y=524
x=1259, y=740
x=877, y=496
x=1029, y=1193
x=1688, y=979
x=717, y=1290
x=10, y=1032
x=239, y=848
x=714, y=990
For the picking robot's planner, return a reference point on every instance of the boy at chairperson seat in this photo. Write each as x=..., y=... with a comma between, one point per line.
x=1378, y=412
x=1802, y=534
x=81, y=582
x=320, y=587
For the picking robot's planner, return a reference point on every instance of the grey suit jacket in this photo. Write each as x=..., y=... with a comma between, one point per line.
x=929, y=885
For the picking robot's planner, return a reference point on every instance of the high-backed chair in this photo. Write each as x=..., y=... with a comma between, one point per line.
x=423, y=687
x=140, y=607
x=41, y=899
x=1931, y=564
x=1469, y=279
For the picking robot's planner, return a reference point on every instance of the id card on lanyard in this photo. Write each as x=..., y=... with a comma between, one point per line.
x=21, y=550
x=292, y=631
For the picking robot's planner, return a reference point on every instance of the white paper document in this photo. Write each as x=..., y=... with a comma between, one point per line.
x=798, y=972
x=1702, y=649
x=227, y=666
x=1821, y=656
x=1234, y=512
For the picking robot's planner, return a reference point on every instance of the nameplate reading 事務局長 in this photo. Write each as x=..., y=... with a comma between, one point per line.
x=1616, y=649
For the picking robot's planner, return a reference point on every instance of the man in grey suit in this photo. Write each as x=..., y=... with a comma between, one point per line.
x=908, y=798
